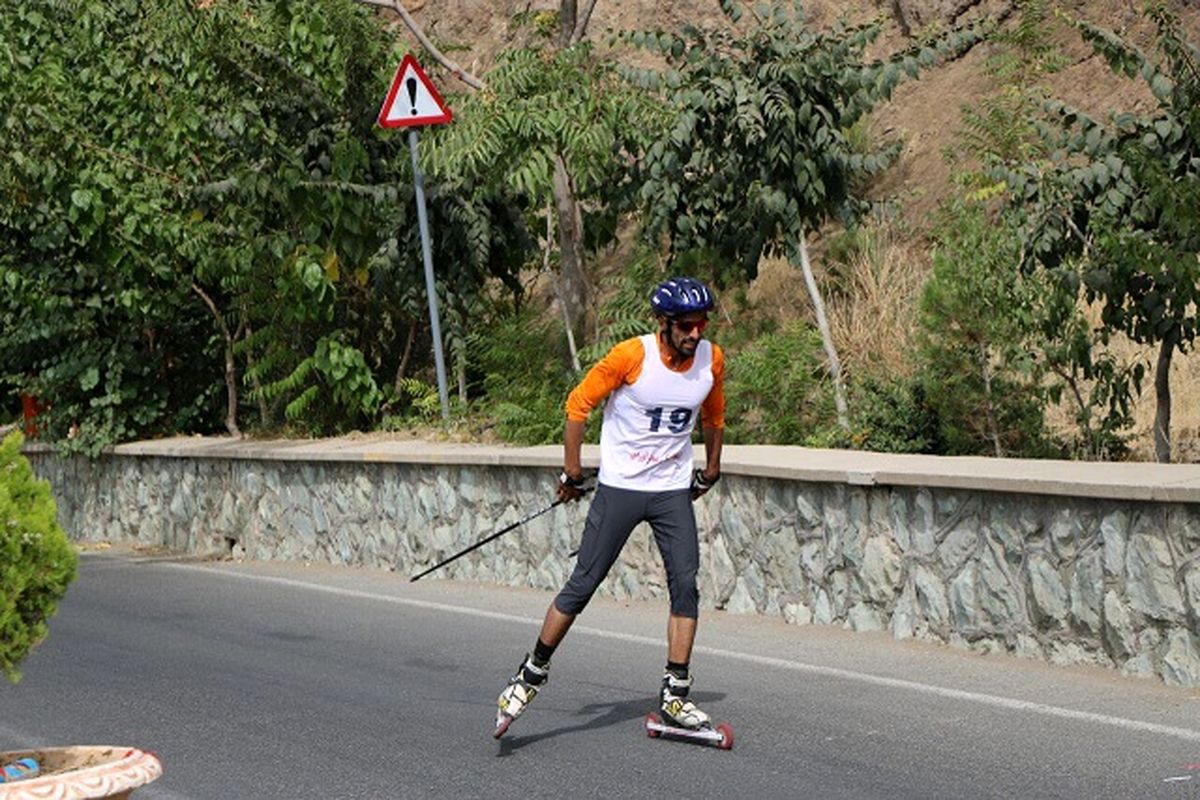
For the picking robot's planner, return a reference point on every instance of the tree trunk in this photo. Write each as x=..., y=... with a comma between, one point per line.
x=568, y=14
x=460, y=372
x=582, y=22
x=231, y=392
x=1162, y=394
x=993, y=430
x=558, y=288
x=573, y=283
x=408, y=347
x=835, y=365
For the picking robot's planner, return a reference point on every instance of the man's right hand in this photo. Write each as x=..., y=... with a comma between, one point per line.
x=570, y=488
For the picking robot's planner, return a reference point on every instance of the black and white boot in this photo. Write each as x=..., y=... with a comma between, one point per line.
x=676, y=709
x=522, y=687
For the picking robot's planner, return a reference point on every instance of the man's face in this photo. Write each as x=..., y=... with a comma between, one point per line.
x=685, y=332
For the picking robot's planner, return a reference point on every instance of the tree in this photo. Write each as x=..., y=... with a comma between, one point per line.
x=94, y=318
x=758, y=155
x=1025, y=318
x=1116, y=202
x=553, y=127
x=200, y=202
x=978, y=318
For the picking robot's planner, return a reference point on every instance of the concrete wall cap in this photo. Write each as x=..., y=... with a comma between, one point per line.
x=1108, y=480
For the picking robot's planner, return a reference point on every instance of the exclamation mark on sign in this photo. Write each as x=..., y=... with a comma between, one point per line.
x=411, y=85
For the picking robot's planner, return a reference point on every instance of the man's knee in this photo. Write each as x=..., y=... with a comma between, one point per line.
x=575, y=596
x=685, y=595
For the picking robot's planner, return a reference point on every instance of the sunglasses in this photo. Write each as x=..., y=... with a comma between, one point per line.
x=687, y=326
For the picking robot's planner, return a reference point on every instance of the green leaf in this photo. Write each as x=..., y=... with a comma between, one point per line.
x=89, y=379
x=1161, y=86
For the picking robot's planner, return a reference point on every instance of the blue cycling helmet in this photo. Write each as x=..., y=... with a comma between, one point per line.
x=679, y=296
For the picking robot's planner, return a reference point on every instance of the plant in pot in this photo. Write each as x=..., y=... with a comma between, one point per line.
x=37, y=563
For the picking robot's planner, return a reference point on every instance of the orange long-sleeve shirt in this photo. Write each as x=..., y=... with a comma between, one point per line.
x=622, y=366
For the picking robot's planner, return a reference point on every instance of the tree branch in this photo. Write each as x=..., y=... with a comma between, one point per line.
x=1087, y=245
x=455, y=69
x=581, y=25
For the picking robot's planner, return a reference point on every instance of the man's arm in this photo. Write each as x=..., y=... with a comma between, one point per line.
x=712, y=427
x=712, y=451
x=572, y=487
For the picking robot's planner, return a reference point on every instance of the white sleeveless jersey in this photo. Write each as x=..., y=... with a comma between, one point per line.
x=646, y=438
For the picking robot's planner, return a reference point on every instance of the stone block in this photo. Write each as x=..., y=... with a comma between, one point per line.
x=809, y=516
x=899, y=518
x=1047, y=591
x=1150, y=578
x=797, y=613
x=1000, y=595
x=882, y=569
x=865, y=617
x=964, y=603
x=959, y=546
x=822, y=606
x=1191, y=587
x=741, y=601
x=931, y=596
x=904, y=614
x=1087, y=591
x=1181, y=659
x=924, y=526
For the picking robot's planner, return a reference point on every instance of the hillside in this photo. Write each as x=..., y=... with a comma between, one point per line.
x=923, y=115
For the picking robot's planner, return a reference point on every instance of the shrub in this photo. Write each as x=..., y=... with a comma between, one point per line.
x=37, y=562
x=525, y=384
x=894, y=416
x=774, y=390
x=979, y=339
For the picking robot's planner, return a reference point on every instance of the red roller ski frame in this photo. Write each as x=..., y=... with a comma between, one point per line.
x=720, y=736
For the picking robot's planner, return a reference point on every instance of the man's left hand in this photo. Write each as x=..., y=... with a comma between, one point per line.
x=702, y=481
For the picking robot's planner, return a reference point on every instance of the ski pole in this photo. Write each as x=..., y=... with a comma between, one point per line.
x=484, y=541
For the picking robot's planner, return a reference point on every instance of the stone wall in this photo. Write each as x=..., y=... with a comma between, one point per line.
x=1071, y=579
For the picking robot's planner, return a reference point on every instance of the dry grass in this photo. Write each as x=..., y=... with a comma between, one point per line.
x=1185, y=412
x=873, y=315
x=871, y=301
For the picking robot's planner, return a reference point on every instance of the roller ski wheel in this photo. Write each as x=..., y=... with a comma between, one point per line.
x=502, y=723
x=653, y=723
x=720, y=736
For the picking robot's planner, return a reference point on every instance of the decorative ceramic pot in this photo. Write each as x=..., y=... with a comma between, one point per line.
x=76, y=773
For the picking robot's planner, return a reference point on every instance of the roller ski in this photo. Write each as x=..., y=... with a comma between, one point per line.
x=516, y=697
x=679, y=718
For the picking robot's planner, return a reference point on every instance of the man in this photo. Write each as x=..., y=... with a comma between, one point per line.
x=656, y=386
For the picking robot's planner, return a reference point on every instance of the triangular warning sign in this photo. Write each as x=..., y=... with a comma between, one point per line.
x=412, y=100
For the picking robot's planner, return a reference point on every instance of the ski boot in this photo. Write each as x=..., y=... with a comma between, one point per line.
x=679, y=717
x=516, y=697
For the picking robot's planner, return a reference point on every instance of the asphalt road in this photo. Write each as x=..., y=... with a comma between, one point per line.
x=284, y=681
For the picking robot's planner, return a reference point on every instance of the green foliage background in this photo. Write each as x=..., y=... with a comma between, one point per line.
x=203, y=229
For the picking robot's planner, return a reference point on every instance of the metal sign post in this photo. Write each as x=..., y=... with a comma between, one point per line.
x=412, y=101
x=435, y=324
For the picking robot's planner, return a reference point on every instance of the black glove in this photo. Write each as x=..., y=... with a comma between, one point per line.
x=570, y=488
x=701, y=483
